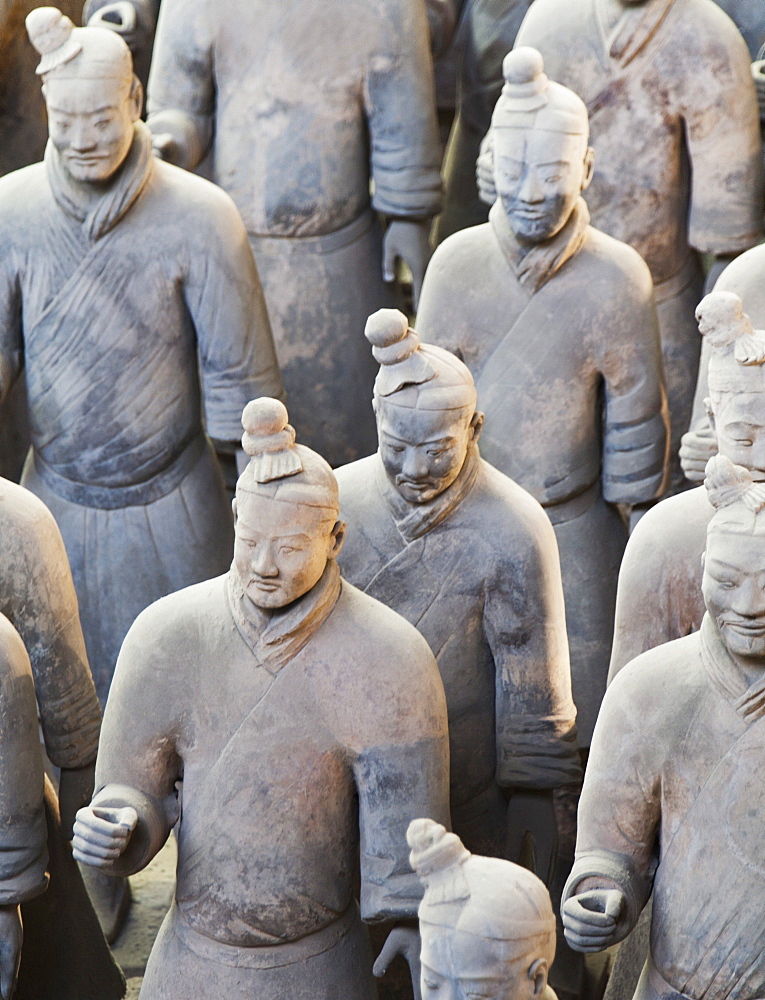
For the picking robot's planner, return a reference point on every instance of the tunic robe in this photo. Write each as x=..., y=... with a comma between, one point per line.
x=564, y=348
x=309, y=100
x=659, y=594
x=476, y=571
x=678, y=157
x=671, y=800
x=301, y=737
x=118, y=308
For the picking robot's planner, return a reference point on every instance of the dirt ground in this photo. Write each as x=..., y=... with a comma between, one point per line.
x=152, y=894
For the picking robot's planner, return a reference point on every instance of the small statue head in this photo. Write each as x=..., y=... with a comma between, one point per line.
x=92, y=95
x=736, y=402
x=542, y=160
x=424, y=401
x=285, y=511
x=734, y=561
x=487, y=926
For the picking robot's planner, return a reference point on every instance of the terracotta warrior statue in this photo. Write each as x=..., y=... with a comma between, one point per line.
x=487, y=926
x=675, y=127
x=299, y=106
x=125, y=285
x=285, y=722
x=470, y=558
x=672, y=791
x=556, y=321
x=659, y=596
x=65, y=956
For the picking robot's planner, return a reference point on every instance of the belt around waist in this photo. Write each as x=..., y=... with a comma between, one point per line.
x=269, y=956
x=671, y=287
x=321, y=243
x=577, y=505
x=130, y=495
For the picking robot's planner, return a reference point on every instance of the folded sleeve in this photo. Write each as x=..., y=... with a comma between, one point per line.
x=400, y=102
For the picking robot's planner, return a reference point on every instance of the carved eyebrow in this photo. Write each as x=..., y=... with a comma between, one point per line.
x=721, y=564
x=96, y=111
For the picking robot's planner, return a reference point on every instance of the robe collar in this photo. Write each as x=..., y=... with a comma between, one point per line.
x=275, y=637
x=98, y=208
x=635, y=28
x=726, y=678
x=416, y=519
x=535, y=268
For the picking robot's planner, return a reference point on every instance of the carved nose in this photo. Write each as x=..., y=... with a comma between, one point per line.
x=263, y=563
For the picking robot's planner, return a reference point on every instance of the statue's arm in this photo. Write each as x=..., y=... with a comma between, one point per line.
x=181, y=89
x=237, y=357
x=636, y=425
x=399, y=97
x=138, y=767
x=11, y=324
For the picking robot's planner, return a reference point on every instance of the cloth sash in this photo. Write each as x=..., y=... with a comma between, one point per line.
x=543, y=260
x=414, y=520
x=264, y=956
x=99, y=209
x=708, y=927
x=276, y=637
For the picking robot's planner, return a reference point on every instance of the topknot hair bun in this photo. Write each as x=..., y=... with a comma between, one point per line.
x=523, y=65
x=727, y=484
x=269, y=440
x=437, y=856
x=391, y=337
x=723, y=322
x=52, y=34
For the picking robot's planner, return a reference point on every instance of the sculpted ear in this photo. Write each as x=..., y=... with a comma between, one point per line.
x=589, y=166
x=233, y=508
x=538, y=975
x=136, y=99
x=338, y=537
x=476, y=426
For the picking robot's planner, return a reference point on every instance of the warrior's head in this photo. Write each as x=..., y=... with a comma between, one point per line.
x=487, y=926
x=734, y=561
x=736, y=402
x=286, y=510
x=424, y=401
x=542, y=160
x=92, y=95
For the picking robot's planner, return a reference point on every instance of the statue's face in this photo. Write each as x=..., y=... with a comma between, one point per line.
x=460, y=966
x=423, y=451
x=539, y=176
x=739, y=422
x=734, y=591
x=281, y=548
x=90, y=122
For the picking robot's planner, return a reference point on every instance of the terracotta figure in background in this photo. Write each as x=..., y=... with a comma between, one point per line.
x=300, y=105
x=556, y=321
x=672, y=802
x=470, y=558
x=678, y=169
x=487, y=926
x=659, y=596
x=281, y=670
x=125, y=286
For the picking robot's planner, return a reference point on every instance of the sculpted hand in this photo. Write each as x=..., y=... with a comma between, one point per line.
x=101, y=834
x=590, y=919
x=696, y=448
x=407, y=240
x=120, y=17
x=165, y=147
x=11, y=937
x=404, y=941
x=484, y=170
x=75, y=790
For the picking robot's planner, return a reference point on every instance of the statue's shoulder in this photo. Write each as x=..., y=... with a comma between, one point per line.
x=22, y=192
x=550, y=18
x=465, y=244
x=193, y=198
x=509, y=515
x=355, y=478
x=708, y=23
x=671, y=528
x=385, y=637
x=661, y=680
x=184, y=618
x=614, y=259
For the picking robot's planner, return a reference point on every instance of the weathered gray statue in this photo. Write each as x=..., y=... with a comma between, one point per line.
x=125, y=284
x=470, y=558
x=556, y=321
x=300, y=105
x=659, y=596
x=284, y=721
x=487, y=926
x=672, y=800
x=679, y=169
